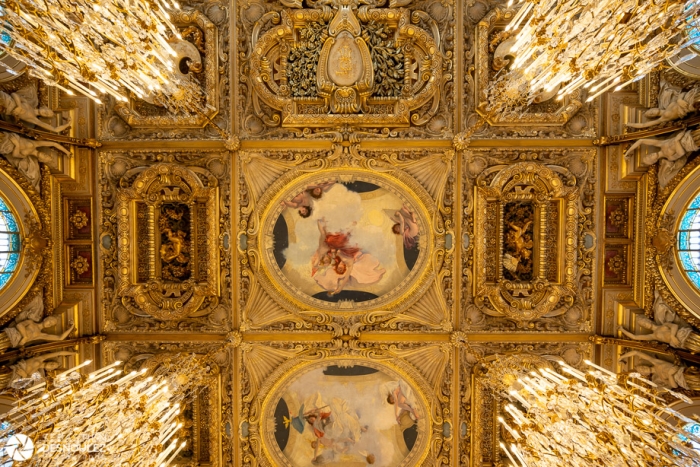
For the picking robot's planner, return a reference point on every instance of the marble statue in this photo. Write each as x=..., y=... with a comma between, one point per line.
x=28, y=372
x=664, y=373
x=24, y=105
x=27, y=328
x=673, y=104
x=24, y=154
x=672, y=154
x=666, y=328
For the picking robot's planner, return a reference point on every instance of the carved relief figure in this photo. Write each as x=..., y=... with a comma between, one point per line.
x=672, y=153
x=346, y=415
x=28, y=328
x=24, y=154
x=24, y=105
x=664, y=373
x=28, y=372
x=666, y=328
x=673, y=104
x=364, y=240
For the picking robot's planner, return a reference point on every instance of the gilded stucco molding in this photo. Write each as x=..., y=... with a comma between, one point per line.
x=661, y=240
x=511, y=223
x=42, y=245
x=269, y=369
x=271, y=297
x=383, y=72
x=166, y=215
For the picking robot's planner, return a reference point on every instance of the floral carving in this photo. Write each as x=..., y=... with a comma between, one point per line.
x=80, y=265
x=79, y=219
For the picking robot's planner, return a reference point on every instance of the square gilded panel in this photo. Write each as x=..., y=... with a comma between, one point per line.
x=78, y=221
x=615, y=264
x=617, y=218
x=79, y=261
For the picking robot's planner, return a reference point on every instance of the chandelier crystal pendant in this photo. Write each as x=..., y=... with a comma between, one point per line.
x=578, y=419
x=97, y=47
x=565, y=45
x=103, y=418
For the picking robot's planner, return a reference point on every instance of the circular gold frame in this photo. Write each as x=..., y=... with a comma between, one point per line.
x=399, y=297
x=295, y=369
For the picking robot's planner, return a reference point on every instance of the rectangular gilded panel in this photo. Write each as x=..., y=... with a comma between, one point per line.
x=617, y=211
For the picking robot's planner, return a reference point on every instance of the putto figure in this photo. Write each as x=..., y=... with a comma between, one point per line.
x=304, y=200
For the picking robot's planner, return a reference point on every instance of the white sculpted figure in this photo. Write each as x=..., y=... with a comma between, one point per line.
x=672, y=153
x=673, y=104
x=667, y=328
x=27, y=373
x=661, y=372
x=24, y=105
x=28, y=328
x=24, y=154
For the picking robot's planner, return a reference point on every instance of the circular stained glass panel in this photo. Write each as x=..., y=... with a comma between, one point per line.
x=9, y=244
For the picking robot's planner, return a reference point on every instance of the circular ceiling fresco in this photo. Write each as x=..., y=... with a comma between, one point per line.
x=345, y=413
x=345, y=242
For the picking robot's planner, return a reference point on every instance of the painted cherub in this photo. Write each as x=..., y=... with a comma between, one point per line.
x=400, y=395
x=522, y=244
x=304, y=200
x=406, y=225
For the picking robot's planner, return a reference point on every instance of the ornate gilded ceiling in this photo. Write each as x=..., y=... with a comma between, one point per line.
x=351, y=229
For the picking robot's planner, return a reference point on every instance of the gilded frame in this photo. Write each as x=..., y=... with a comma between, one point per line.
x=152, y=186
x=542, y=186
x=400, y=297
x=262, y=78
x=261, y=432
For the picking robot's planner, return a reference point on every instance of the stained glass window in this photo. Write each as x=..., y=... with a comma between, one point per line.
x=9, y=244
x=689, y=241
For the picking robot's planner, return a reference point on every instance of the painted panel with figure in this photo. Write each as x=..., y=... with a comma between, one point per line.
x=346, y=240
x=349, y=415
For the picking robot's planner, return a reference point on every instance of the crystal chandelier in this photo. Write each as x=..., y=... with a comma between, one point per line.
x=96, y=47
x=103, y=418
x=578, y=419
x=597, y=45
